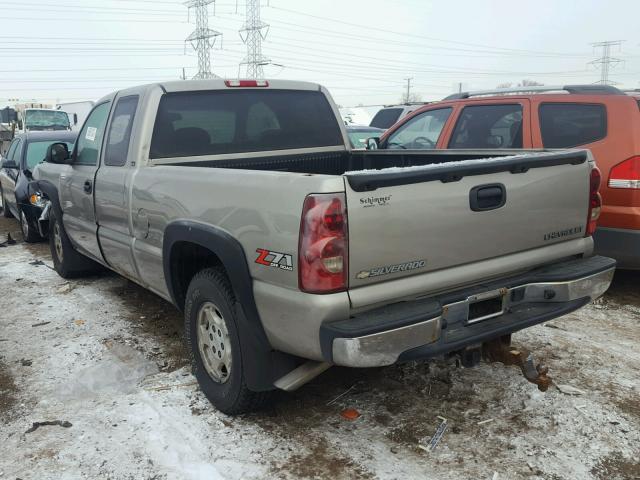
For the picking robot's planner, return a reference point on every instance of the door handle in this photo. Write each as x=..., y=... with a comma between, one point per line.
x=487, y=197
x=88, y=186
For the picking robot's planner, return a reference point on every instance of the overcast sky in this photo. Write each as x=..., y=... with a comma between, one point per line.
x=362, y=50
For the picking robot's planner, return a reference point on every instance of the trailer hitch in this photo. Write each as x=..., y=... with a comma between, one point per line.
x=500, y=350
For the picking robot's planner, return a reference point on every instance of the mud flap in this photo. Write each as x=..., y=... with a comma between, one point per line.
x=262, y=365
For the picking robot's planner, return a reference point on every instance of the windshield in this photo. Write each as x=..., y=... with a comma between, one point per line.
x=36, y=151
x=46, y=120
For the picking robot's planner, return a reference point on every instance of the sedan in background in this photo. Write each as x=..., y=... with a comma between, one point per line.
x=358, y=135
x=25, y=152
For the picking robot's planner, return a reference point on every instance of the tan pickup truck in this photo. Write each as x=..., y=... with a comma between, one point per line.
x=242, y=203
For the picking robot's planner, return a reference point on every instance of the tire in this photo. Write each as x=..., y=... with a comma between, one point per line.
x=28, y=233
x=6, y=213
x=66, y=261
x=212, y=338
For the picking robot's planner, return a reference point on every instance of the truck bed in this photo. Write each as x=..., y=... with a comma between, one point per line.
x=338, y=163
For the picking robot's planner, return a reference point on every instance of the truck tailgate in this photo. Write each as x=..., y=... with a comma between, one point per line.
x=408, y=221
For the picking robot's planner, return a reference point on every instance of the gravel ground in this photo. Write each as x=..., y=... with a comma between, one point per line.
x=106, y=356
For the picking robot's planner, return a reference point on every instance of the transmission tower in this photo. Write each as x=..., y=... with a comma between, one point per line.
x=252, y=33
x=606, y=62
x=202, y=38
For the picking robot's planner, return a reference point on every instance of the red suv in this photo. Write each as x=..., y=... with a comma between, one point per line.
x=601, y=118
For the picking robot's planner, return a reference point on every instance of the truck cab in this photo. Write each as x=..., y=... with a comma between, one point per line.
x=42, y=119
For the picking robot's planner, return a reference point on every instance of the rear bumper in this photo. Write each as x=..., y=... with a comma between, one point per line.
x=439, y=325
x=621, y=244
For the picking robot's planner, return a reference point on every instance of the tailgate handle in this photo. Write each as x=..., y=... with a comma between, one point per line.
x=487, y=197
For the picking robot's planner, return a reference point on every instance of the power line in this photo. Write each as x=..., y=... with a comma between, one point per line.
x=376, y=61
x=105, y=20
x=202, y=38
x=92, y=69
x=367, y=39
x=406, y=34
x=605, y=62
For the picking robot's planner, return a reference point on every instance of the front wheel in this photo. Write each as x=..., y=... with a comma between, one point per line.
x=66, y=261
x=212, y=337
x=28, y=233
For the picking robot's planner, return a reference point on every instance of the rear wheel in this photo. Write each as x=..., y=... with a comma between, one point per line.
x=66, y=261
x=212, y=338
x=28, y=233
x=6, y=213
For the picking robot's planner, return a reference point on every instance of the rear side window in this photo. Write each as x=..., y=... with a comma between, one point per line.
x=386, y=117
x=231, y=121
x=565, y=125
x=120, y=131
x=488, y=126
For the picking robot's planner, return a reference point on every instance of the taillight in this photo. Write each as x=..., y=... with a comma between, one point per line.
x=323, y=249
x=595, y=202
x=626, y=174
x=246, y=83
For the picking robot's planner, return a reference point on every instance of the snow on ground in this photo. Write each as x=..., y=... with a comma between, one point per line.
x=106, y=356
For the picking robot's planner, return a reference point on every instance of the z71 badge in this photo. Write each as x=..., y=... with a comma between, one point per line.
x=274, y=259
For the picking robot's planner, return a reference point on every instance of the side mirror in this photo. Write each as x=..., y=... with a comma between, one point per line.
x=9, y=164
x=75, y=119
x=373, y=143
x=58, y=153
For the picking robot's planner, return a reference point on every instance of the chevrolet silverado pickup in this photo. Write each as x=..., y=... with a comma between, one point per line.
x=242, y=203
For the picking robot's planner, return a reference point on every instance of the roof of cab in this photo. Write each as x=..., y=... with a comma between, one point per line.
x=213, y=84
x=219, y=84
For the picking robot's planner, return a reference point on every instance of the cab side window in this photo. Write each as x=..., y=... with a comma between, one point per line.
x=488, y=126
x=421, y=132
x=119, y=136
x=90, y=138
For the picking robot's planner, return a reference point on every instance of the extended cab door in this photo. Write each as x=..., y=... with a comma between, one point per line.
x=112, y=188
x=77, y=183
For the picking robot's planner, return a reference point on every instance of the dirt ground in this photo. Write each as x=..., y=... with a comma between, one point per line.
x=106, y=356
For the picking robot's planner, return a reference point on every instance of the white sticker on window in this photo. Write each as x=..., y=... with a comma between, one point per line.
x=91, y=133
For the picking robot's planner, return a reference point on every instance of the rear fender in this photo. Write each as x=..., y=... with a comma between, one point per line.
x=263, y=365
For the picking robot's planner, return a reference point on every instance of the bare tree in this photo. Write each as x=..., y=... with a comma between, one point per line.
x=413, y=97
x=523, y=83
x=530, y=83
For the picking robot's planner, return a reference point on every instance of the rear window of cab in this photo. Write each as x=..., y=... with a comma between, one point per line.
x=224, y=122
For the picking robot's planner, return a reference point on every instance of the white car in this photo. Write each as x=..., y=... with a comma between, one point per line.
x=392, y=113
